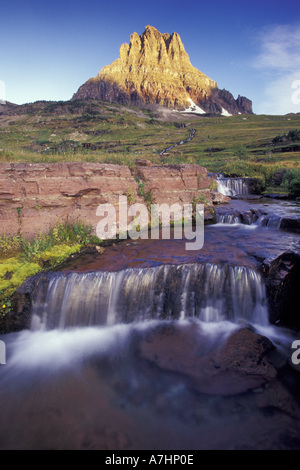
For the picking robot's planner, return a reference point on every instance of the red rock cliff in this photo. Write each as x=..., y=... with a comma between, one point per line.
x=34, y=197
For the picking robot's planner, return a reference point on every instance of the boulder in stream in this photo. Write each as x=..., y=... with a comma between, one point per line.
x=235, y=366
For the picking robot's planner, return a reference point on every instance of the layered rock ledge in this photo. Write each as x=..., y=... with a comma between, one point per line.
x=35, y=197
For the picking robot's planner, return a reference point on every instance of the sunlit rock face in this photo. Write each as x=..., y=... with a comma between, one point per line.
x=155, y=69
x=44, y=193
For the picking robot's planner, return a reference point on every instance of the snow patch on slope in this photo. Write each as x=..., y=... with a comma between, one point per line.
x=225, y=113
x=193, y=108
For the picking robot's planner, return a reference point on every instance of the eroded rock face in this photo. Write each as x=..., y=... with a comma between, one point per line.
x=155, y=68
x=35, y=197
x=183, y=184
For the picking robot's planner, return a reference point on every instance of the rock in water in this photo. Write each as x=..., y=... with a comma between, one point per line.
x=155, y=69
x=235, y=366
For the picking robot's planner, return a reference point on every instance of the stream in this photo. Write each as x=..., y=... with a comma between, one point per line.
x=127, y=349
x=191, y=136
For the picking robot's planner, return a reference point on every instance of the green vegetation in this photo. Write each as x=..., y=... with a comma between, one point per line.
x=95, y=131
x=147, y=195
x=293, y=136
x=20, y=258
x=291, y=182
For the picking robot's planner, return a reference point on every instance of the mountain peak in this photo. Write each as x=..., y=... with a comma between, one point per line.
x=151, y=30
x=155, y=68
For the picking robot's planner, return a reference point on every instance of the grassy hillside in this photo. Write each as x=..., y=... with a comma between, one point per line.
x=243, y=145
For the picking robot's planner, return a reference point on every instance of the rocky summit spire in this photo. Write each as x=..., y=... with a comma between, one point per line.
x=155, y=68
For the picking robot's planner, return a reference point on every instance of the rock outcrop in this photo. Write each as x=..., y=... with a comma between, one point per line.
x=35, y=197
x=155, y=69
x=282, y=287
x=238, y=365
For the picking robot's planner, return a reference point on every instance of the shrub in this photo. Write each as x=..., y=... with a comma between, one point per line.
x=9, y=246
x=291, y=181
x=294, y=135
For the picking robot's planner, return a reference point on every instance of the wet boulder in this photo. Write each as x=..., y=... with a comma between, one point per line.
x=282, y=276
x=234, y=365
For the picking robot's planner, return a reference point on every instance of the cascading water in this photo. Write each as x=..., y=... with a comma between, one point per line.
x=161, y=349
x=228, y=219
x=232, y=186
x=151, y=357
x=209, y=292
x=269, y=221
x=252, y=217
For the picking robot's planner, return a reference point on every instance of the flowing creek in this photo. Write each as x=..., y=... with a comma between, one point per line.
x=121, y=354
x=191, y=136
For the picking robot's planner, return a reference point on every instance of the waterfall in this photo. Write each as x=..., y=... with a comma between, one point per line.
x=250, y=217
x=269, y=221
x=228, y=219
x=232, y=186
x=207, y=291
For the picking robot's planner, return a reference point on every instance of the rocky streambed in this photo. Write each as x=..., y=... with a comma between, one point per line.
x=149, y=346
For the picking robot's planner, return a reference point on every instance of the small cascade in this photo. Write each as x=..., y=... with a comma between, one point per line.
x=232, y=186
x=269, y=221
x=207, y=291
x=251, y=217
x=228, y=219
x=248, y=217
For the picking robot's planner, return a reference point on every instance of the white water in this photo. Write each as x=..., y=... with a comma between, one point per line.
x=54, y=350
x=232, y=186
x=87, y=388
x=206, y=291
x=228, y=219
x=73, y=386
x=77, y=380
x=269, y=220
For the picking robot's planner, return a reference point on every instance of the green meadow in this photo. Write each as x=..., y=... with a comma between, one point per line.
x=94, y=131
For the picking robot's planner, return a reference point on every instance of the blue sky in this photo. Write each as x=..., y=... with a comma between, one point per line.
x=48, y=49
